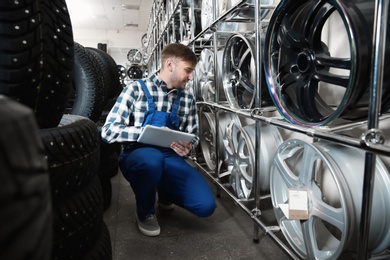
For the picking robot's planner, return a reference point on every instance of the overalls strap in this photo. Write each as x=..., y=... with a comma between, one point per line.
x=148, y=96
x=175, y=106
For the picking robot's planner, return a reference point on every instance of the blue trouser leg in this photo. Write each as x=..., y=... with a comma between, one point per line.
x=149, y=169
x=143, y=168
x=185, y=186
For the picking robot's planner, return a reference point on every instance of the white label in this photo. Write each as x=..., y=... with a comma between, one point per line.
x=297, y=199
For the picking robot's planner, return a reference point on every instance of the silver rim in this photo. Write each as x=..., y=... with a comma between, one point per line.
x=134, y=56
x=204, y=76
x=333, y=176
x=207, y=17
x=144, y=40
x=240, y=151
x=248, y=11
x=239, y=72
x=208, y=138
x=241, y=157
x=207, y=75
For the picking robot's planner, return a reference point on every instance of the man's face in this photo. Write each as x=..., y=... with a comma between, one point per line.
x=182, y=72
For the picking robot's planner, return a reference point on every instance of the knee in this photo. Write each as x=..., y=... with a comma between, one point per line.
x=206, y=209
x=138, y=167
x=142, y=160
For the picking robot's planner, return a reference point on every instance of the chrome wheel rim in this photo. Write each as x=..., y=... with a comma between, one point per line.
x=134, y=56
x=208, y=139
x=292, y=168
x=204, y=77
x=241, y=156
x=239, y=147
x=239, y=72
x=325, y=171
x=207, y=75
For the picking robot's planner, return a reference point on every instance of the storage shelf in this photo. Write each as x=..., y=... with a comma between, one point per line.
x=369, y=139
x=325, y=132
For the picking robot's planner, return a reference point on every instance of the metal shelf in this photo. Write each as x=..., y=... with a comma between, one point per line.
x=370, y=139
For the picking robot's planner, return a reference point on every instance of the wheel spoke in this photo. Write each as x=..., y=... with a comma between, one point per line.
x=326, y=76
x=309, y=95
x=308, y=160
x=326, y=61
x=233, y=57
x=316, y=22
x=286, y=37
x=244, y=58
x=327, y=213
x=289, y=178
x=246, y=85
x=245, y=161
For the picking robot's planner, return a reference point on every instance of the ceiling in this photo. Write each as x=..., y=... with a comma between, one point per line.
x=109, y=14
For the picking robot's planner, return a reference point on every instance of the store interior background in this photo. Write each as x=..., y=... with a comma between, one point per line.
x=103, y=21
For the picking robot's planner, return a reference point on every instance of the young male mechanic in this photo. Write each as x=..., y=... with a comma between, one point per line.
x=160, y=100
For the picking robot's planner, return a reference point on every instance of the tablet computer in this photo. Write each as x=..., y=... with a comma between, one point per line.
x=162, y=136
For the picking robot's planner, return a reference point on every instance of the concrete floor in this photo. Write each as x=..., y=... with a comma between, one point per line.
x=227, y=234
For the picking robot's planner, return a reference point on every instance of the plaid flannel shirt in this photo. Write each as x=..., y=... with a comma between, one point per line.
x=124, y=122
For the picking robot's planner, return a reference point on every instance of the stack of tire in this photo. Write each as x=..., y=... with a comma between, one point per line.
x=96, y=86
x=41, y=72
x=25, y=204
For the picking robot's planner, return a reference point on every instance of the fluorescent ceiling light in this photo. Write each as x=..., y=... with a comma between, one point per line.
x=130, y=7
x=131, y=25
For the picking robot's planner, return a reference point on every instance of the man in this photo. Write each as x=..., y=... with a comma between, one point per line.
x=161, y=100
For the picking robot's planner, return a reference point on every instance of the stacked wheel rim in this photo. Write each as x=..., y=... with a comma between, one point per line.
x=333, y=176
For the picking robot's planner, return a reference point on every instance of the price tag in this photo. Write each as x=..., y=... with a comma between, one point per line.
x=297, y=204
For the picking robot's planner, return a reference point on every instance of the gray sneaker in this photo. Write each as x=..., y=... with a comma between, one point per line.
x=149, y=226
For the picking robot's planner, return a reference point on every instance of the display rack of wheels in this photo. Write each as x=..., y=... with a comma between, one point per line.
x=292, y=95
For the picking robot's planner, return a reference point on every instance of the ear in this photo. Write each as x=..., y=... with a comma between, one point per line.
x=169, y=64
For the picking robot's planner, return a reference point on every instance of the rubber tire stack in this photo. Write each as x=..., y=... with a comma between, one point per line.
x=73, y=152
x=25, y=204
x=37, y=70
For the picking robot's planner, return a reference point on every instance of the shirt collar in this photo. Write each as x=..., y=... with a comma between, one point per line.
x=157, y=81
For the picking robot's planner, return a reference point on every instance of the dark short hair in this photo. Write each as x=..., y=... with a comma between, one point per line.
x=180, y=51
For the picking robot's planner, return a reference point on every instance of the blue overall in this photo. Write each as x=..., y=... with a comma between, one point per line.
x=151, y=169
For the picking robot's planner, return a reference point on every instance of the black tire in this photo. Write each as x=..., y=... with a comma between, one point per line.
x=105, y=182
x=122, y=75
x=78, y=222
x=111, y=68
x=36, y=56
x=108, y=168
x=109, y=157
x=102, y=249
x=103, y=74
x=25, y=204
x=134, y=72
x=89, y=96
x=73, y=155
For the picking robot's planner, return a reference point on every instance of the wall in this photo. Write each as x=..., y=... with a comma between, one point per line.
x=119, y=42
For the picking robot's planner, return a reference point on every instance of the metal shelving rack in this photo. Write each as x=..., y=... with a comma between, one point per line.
x=370, y=141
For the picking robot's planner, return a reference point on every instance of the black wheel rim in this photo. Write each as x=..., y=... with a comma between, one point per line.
x=298, y=63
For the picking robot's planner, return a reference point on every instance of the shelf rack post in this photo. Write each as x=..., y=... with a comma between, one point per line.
x=379, y=47
x=258, y=87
